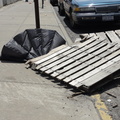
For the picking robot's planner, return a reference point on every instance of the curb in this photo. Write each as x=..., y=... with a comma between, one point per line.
x=67, y=38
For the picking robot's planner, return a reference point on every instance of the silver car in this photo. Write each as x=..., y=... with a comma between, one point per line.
x=79, y=11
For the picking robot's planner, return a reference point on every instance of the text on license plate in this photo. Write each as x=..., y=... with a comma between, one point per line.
x=108, y=18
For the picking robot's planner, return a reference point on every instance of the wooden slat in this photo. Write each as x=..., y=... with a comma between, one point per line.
x=88, y=69
x=101, y=75
x=50, y=68
x=67, y=48
x=83, y=37
x=70, y=58
x=61, y=57
x=38, y=63
x=70, y=75
x=113, y=37
x=117, y=32
x=85, y=62
x=51, y=56
x=102, y=35
x=72, y=52
x=77, y=63
x=97, y=47
x=43, y=56
x=92, y=39
x=93, y=35
x=108, y=61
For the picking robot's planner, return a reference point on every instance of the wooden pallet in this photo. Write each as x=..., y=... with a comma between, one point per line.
x=83, y=65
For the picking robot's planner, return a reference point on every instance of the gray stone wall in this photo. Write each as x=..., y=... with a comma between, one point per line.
x=7, y=2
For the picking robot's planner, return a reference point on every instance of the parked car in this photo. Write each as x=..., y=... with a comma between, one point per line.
x=54, y=2
x=61, y=7
x=79, y=11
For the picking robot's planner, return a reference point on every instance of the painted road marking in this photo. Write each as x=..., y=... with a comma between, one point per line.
x=101, y=107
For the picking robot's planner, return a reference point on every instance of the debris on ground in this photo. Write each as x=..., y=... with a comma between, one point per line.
x=85, y=66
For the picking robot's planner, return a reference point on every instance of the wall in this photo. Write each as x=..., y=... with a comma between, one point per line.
x=7, y=2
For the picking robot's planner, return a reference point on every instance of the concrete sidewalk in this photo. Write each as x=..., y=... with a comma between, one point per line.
x=19, y=16
x=25, y=95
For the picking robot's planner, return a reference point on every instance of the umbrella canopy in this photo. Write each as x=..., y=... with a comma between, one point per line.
x=30, y=44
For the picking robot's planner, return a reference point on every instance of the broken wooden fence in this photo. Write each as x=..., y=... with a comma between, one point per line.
x=82, y=65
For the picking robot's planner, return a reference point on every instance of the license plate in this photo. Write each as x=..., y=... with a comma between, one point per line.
x=108, y=18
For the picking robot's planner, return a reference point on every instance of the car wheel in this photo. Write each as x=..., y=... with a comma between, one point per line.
x=61, y=10
x=52, y=3
x=72, y=22
x=66, y=16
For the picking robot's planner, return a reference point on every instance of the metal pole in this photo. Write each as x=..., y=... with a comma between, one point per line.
x=36, y=5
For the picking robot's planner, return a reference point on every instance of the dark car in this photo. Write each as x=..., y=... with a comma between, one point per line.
x=91, y=10
x=54, y=2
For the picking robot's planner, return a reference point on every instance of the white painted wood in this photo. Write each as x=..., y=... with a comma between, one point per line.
x=101, y=75
x=113, y=37
x=70, y=58
x=102, y=35
x=64, y=49
x=117, y=32
x=71, y=67
x=107, y=62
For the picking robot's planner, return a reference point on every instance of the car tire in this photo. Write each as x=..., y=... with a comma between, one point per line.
x=61, y=10
x=66, y=16
x=52, y=3
x=72, y=22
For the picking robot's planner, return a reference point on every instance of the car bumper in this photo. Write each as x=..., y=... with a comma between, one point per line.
x=84, y=17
